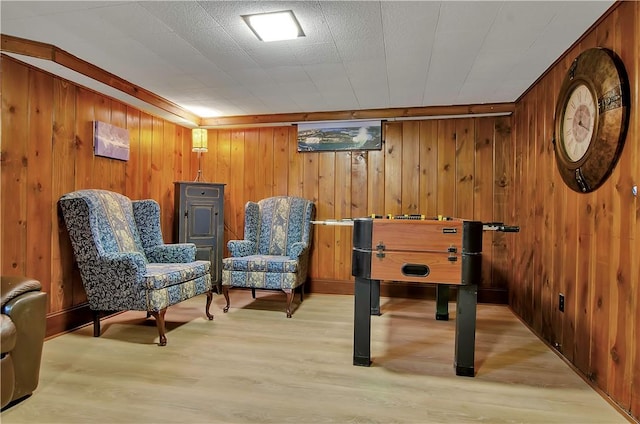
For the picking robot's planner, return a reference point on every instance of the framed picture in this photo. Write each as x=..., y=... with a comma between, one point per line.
x=339, y=135
x=110, y=141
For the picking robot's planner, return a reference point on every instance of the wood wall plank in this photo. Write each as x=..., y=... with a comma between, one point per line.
x=39, y=187
x=503, y=190
x=62, y=152
x=14, y=167
x=465, y=169
x=393, y=169
x=446, y=168
x=410, y=182
x=133, y=170
x=480, y=206
x=429, y=168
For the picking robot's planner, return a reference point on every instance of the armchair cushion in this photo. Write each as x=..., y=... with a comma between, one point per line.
x=263, y=263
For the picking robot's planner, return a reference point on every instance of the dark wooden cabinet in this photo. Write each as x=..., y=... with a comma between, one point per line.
x=199, y=219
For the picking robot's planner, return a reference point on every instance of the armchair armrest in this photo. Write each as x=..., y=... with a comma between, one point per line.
x=172, y=253
x=297, y=249
x=239, y=248
x=121, y=271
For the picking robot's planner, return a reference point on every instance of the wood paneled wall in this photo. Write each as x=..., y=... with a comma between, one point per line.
x=452, y=167
x=585, y=246
x=455, y=167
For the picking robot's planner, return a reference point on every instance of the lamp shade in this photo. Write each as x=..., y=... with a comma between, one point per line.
x=199, y=140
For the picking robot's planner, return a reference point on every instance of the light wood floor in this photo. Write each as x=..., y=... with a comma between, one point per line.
x=253, y=365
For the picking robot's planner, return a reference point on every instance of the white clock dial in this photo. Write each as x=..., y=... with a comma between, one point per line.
x=578, y=122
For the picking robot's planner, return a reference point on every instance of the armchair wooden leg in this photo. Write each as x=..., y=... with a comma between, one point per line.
x=290, y=294
x=253, y=292
x=206, y=309
x=225, y=292
x=159, y=316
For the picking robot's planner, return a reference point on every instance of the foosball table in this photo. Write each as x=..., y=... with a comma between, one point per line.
x=440, y=251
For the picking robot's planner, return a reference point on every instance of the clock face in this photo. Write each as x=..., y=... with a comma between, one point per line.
x=578, y=122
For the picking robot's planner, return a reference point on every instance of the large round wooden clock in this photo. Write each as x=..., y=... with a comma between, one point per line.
x=591, y=119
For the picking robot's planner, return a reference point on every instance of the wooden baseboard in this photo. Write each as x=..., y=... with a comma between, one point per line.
x=68, y=320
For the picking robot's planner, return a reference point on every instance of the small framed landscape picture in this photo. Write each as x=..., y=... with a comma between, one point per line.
x=110, y=141
x=339, y=135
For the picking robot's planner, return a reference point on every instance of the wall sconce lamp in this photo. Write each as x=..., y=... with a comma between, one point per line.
x=199, y=145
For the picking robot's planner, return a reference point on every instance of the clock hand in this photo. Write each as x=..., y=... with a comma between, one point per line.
x=582, y=125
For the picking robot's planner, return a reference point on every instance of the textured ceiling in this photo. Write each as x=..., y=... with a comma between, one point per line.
x=355, y=55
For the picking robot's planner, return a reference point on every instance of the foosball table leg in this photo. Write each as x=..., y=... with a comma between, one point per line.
x=375, y=297
x=466, y=330
x=442, y=302
x=362, y=322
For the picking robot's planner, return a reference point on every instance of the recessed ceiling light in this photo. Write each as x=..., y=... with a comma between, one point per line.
x=274, y=26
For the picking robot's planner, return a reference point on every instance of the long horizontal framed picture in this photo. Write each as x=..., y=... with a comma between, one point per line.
x=339, y=135
x=110, y=141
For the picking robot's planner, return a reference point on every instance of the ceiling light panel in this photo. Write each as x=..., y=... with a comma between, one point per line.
x=274, y=26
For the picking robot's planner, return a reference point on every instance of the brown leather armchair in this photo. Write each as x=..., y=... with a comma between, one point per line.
x=22, y=329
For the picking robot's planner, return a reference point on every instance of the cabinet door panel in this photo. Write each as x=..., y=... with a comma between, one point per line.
x=199, y=220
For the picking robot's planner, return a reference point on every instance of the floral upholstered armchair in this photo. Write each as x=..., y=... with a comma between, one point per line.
x=123, y=261
x=275, y=251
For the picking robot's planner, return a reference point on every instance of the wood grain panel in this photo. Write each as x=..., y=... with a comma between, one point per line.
x=265, y=163
x=133, y=170
x=310, y=192
x=237, y=199
x=251, y=164
x=602, y=257
x=544, y=134
x=446, y=168
x=101, y=177
x=280, y=152
x=429, y=168
x=465, y=168
x=376, y=180
x=180, y=156
x=38, y=253
x=393, y=169
x=410, y=183
x=295, y=172
x=117, y=180
x=629, y=316
x=165, y=196
x=481, y=200
x=223, y=176
x=325, y=235
x=343, y=235
x=359, y=201
x=503, y=244
x=146, y=147
x=62, y=152
x=157, y=158
x=15, y=133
